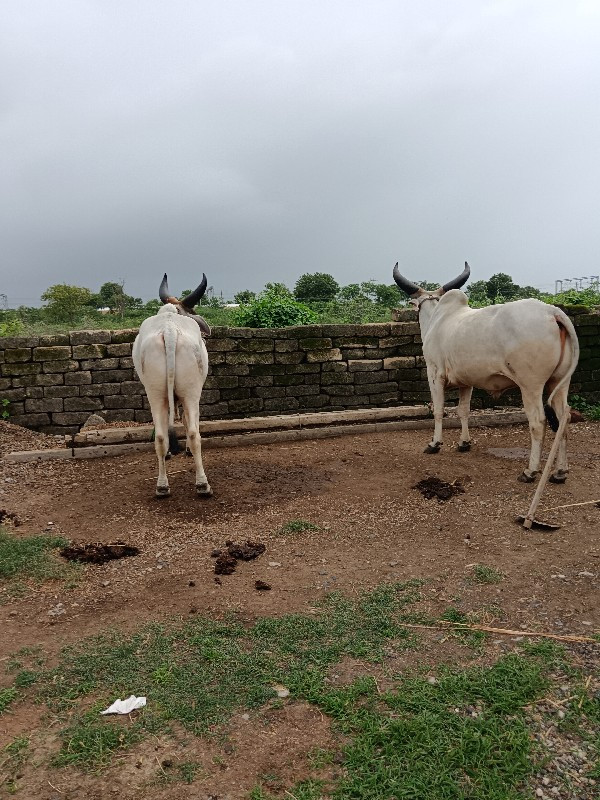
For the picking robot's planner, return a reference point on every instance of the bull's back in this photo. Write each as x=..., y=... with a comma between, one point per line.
x=498, y=347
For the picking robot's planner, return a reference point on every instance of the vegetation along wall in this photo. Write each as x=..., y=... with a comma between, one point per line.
x=53, y=383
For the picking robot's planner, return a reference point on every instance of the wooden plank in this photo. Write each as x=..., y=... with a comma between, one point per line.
x=140, y=433
x=491, y=420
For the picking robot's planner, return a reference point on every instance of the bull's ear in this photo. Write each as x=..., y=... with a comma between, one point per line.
x=204, y=326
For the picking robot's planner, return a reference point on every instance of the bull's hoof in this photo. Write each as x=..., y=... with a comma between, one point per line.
x=162, y=491
x=525, y=478
x=188, y=452
x=433, y=448
x=203, y=490
x=558, y=477
x=464, y=447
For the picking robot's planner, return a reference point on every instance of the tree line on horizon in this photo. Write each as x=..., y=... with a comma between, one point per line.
x=316, y=297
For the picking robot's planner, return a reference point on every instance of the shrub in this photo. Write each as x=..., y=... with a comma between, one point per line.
x=10, y=326
x=274, y=310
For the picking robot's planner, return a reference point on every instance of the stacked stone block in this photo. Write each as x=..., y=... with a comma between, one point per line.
x=53, y=383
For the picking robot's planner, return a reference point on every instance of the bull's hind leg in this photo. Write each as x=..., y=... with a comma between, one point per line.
x=534, y=408
x=464, y=407
x=192, y=423
x=559, y=404
x=161, y=445
x=437, y=397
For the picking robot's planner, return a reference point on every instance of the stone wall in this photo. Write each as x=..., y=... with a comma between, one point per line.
x=53, y=383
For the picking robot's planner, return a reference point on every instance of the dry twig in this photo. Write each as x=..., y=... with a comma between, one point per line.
x=504, y=631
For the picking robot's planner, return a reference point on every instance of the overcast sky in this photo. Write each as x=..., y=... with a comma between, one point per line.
x=261, y=139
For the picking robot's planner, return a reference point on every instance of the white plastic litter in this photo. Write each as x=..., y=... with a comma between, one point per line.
x=125, y=706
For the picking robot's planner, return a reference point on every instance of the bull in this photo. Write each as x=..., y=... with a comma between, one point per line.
x=526, y=344
x=170, y=358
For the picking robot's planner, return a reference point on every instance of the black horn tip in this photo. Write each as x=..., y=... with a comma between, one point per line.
x=408, y=287
x=193, y=298
x=163, y=291
x=460, y=281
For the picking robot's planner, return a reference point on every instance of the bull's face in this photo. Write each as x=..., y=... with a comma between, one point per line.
x=186, y=305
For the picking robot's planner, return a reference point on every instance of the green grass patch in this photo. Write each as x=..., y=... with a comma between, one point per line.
x=185, y=772
x=303, y=790
x=12, y=757
x=481, y=573
x=199, y=672
x=298, y=526
x=92, y=741
x=31, y=557
x=6, y=697
x=464, y=736
x=590, y=410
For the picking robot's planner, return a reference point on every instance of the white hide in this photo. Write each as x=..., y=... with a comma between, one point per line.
x=171, y=361
x=497, y=348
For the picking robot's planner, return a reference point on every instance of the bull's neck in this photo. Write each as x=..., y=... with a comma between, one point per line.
x=426, y=314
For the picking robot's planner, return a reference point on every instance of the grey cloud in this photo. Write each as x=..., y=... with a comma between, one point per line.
x=259, y=140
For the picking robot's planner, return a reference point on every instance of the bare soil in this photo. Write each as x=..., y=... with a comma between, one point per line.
x=373, y=526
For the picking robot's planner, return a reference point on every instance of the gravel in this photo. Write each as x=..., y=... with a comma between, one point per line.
x=14, y=438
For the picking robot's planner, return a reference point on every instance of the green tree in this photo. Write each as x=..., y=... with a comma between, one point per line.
x=279, y=289
x=381, y=293
x=66, y=303
x=151, y=307
x=112, y=295
x=318, y=287
x=501, y=287
x=244, y=297
x=477, y=293
x=350, y=292
x=529, y=291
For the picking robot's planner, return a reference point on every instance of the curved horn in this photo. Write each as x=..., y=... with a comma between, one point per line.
x=163, y=292
x=404, y=284
x=192, y=299
x=204, y=326
x=458, y=282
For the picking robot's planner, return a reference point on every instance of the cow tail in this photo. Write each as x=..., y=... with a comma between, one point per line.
x=170, y=337
x=566, y=329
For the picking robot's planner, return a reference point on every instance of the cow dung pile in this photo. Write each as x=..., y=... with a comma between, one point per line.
x=227, y=559
x=98, y=553
x=435, y=487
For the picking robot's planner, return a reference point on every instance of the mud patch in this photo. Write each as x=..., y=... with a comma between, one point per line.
x=98, y=553
x=522, y=454
x=435, y=487
x=512, y=453
x=261, y=586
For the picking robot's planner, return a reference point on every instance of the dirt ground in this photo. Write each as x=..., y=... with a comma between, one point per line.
x=372, y=527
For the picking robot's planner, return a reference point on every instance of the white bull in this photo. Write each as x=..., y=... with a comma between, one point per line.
x=526, y=343
x=171, y=361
